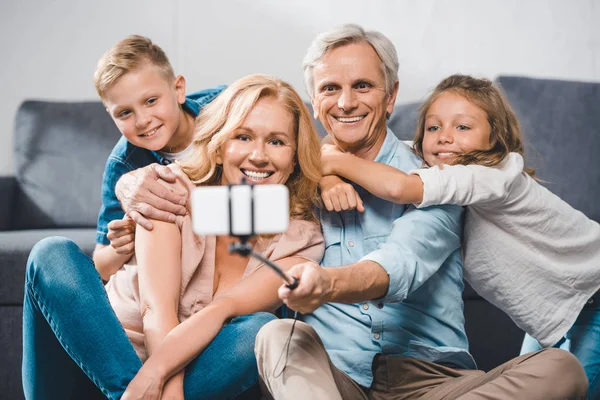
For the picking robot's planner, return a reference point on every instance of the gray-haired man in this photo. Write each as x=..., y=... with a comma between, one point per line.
x=384, y=313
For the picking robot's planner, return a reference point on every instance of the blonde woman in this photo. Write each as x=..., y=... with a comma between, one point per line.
x=190, y=309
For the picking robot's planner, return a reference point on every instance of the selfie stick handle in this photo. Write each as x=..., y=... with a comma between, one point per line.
x=245, y=249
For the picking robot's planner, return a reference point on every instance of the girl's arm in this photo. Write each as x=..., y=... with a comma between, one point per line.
x=382, y=180
x=257, y=292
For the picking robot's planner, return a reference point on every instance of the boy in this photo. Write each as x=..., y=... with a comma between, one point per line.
x=147, y=101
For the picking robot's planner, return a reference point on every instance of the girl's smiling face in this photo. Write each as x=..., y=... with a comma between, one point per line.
x=453, y=126
x=263, y=148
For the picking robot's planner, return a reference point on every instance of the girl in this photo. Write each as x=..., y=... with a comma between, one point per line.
x=525, y=250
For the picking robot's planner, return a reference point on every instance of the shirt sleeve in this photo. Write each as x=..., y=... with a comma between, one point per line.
x=110, y=208
x=197, y=100
x=469, y=184
x=418, y=245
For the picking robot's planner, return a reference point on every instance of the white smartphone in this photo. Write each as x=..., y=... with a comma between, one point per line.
x=240, y=210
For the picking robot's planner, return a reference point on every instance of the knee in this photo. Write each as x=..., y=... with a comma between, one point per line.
x=48, y=259
x=567, y=372
x=275, y=335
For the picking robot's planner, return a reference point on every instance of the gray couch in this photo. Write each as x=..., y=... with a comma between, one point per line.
x=60, y=150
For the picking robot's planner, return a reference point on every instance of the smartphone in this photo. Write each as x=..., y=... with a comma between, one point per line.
x=240, y=210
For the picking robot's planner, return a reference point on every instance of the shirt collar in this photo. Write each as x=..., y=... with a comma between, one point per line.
x=388, y=148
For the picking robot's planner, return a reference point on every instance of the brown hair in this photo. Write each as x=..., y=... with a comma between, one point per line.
x=127, y=55
x=505, y=133
x=219, y=119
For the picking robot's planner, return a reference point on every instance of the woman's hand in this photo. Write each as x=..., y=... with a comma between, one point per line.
x=173, y=389
x=338, y=195
x=147, y=384
x=121, y=233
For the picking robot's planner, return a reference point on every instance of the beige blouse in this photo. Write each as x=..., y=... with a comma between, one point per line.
x=303, y=239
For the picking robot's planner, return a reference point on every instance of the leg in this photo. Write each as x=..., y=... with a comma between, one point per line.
x=47, y=368
x=65, y=303
x=547, y=374
x=308, y=373
x=583, y=340
x=226, y=369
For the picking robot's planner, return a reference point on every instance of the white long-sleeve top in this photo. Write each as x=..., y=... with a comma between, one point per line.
x=525, y=250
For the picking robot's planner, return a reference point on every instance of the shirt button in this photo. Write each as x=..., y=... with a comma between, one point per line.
x=351, y=243
x=365, y=306
x=165, y=161
x=376, y=336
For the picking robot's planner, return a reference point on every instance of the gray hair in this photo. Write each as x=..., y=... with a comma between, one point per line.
x=347, y=34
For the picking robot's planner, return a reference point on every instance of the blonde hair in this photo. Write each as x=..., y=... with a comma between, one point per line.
x=505, y=132
x=219, y=119
x=127, y=55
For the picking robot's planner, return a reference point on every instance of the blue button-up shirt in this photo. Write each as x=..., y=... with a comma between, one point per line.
x=126, y=157
x=421, y=315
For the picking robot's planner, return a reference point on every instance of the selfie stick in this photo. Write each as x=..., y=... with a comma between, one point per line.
x=244, y=248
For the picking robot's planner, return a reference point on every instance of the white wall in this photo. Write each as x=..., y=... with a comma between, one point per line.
x=49, y=48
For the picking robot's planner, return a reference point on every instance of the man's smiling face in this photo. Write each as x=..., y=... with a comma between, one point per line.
x=351, y=99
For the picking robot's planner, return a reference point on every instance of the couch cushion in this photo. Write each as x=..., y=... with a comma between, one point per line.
x=60, y=153
x=15, y=247
x=8, y=190
x=561, y=124
x=403, y=121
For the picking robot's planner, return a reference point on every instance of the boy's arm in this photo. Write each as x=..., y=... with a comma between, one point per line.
x=381, y=180
x=106, y=259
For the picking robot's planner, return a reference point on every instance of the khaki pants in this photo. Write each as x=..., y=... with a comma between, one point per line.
x=309, y=374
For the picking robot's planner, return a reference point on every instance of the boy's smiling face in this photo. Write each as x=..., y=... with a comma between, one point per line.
x=146, y=107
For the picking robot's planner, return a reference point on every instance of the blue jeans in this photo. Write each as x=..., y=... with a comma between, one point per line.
x=583, y=341
x=73, y=342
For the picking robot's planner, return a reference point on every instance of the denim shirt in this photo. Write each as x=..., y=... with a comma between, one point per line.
x=421, y=315
x=126, y=157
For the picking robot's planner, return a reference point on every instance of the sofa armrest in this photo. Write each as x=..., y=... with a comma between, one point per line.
x=8, y=192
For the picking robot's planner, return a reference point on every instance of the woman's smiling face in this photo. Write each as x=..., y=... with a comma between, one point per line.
x=263, y=148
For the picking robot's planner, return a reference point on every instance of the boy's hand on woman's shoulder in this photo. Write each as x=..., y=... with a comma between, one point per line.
x=143, y=197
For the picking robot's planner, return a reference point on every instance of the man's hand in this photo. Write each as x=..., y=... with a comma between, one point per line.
x=338, y=195
x=315, y=288
x=121, y=233
x=142, y=196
